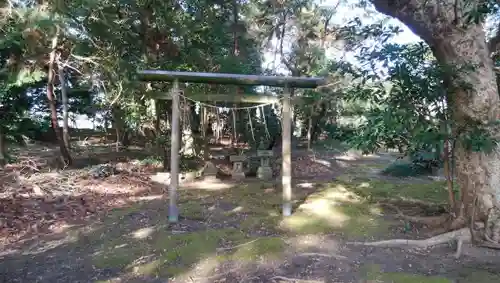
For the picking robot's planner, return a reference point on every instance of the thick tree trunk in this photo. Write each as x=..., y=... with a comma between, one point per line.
x=473, y=97
x=52, y=104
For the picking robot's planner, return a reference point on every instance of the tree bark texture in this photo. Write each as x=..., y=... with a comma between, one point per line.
x=473, y=97
x=122, y=134
x=52, y=103
x=64, y=99
x=167, y=135
x=309, y=130
x=3, y=155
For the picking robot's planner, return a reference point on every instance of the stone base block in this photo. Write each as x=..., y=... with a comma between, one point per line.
x=264, y=173
x=238, y=175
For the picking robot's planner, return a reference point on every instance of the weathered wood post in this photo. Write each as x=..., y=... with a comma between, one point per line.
x=286, y=168
x=173, y=212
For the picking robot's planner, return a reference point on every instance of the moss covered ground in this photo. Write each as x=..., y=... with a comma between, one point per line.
x=243, y=224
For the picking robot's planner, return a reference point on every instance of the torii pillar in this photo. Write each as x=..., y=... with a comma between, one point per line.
x=286, y=170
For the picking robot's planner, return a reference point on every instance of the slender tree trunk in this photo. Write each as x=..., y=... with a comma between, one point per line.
x=309, y=132
x=64, y=99
x=52, y=103
x=106, y=122
x=236, y=50
x=167, y=135
x=235, y=131
x=158, y=111
x=204, y=126
x=316, y=129
x=473, y=98
x=158, y=131
x=122, y=135
x=3, y=154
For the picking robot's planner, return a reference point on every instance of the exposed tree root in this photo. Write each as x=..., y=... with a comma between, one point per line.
x=457, y=223
x=462, y=235
x=414, y=202
x=283, y=278
x=322, y=255
x=238, y=246
x=431, y=221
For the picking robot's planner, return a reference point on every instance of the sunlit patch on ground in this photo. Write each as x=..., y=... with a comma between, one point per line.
x=336, y=209
x=167, y=254
x=431, y=191
x=143, y=233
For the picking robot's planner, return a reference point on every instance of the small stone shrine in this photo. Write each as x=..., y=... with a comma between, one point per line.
x=237, y=173
x=210, y=171
x=264, y=172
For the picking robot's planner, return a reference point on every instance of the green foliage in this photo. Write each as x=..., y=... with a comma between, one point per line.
x=405, y=106
x=478, y=138
x=476, y=13
x=102, y=44
x=340, y=133
x=421, y=163
x=400, y=168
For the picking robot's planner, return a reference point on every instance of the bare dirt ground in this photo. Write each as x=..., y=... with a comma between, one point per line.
x=109, y=224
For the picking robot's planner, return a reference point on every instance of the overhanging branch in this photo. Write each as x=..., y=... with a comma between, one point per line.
x=429, y=19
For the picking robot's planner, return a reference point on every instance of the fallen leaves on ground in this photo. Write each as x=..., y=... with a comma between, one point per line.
x=43, y=202
x=36, y=202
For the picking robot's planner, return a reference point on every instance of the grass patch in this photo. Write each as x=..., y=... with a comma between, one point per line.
x=173, y=254
x=269, y=246
x=192, y=210
x=261, y=222
x=432, y=191
x=471, y=275
x=347, y=206
x=336, y=209
x=118, y=253
x=348, y=219
x=375, y=275
x=180, y=252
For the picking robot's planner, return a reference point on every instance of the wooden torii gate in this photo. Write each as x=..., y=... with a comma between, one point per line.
x=231, y=79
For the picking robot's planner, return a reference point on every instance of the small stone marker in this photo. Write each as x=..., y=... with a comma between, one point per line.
x=265, y=172
x=210, y=171
x=237, y=173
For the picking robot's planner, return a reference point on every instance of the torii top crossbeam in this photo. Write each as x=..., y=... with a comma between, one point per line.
x=234, y=79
